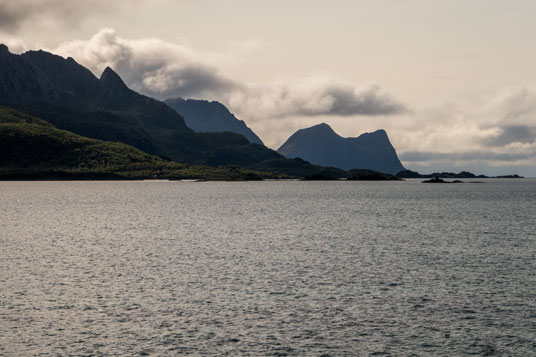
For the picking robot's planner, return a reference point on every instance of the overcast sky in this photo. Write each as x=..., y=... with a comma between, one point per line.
x=453, y=82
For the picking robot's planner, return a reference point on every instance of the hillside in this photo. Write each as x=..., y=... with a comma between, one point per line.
x=33, y=148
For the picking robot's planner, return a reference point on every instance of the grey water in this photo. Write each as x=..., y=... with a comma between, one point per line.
x=268, y=268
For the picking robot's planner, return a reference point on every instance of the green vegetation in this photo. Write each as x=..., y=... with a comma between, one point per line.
x=31, y=148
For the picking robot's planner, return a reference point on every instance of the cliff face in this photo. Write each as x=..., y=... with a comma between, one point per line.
x=211, y=117
x=320, y=145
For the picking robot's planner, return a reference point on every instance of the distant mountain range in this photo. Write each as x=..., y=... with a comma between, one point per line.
x=203, y=116
x=320, y=145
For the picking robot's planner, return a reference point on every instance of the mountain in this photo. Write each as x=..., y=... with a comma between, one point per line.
x=211, y=117
x=320, y=145
x=67, y=95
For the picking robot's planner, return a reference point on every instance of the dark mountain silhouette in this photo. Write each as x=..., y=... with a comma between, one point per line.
x=320, y=145
x=211, y=117
x=67, y=95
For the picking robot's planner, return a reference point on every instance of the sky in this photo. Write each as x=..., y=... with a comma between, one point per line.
x=452, y=82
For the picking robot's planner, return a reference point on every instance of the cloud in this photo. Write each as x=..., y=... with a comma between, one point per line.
x=315, y=97
x=150, y=65
x=15, y=45
x=509, y=134
x=17, y=13
x=500, y=130
x=161, y=69
x=509, y=106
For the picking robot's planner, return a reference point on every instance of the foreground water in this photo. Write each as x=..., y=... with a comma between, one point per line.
x=268, y=268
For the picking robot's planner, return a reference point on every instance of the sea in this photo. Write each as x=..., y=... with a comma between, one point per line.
x=271, y=268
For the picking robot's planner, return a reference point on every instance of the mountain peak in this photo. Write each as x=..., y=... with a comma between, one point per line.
x=321, y=126
x=4, y=49
x=111, y=79
x=320, y=129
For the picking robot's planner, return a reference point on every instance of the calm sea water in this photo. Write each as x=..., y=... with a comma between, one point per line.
x=268, y=268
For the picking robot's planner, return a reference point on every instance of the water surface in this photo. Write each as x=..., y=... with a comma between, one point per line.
x=268, y=268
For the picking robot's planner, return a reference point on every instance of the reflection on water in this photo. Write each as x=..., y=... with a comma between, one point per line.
x=268, y=268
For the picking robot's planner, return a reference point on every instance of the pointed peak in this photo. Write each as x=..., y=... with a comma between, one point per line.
x=322, y=127
x=108, y=73
x=322, y=130
x=110, y=78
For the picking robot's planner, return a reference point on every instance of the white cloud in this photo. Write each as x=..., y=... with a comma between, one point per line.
x=150, y=65
x=314, y=97
x=499, y=131
x=162, y=70
x=15, y=14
